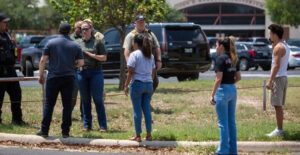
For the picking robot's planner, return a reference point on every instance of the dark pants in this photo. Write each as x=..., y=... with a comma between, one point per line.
x=64, y=86
x=14, y=91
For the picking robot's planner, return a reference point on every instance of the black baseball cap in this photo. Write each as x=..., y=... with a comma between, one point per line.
x=4, y=18
x=139, y=17
x=64, y=28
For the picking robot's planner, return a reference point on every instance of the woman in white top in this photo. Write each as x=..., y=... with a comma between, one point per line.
x=141, y=69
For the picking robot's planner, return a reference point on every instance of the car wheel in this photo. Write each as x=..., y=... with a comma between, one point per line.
x=194, y=76
x=266, y=67
x=28, y=68
x=244, y=65
x=181, y=78
x=290, y=68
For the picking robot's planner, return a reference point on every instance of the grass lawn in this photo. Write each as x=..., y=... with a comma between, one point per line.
x=182, y=112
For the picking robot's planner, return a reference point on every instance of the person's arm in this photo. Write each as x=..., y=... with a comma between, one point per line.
x=126, y=54
x=128, y=79
x=218, y=80
x=79, y=63
x=278, y=53
x=158, y=62
x=237, y=76
x=100, y=54
x=42, y=64
x=102, y=57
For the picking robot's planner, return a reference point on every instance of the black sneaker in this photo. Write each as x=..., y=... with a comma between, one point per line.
x=65, y=135
x=18, y=122
x=42, y=134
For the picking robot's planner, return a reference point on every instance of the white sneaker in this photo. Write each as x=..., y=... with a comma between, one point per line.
x=275, y=133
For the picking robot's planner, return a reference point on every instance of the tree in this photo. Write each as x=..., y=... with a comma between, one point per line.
x=284, y=12
x=115, y=13
x=25, y=14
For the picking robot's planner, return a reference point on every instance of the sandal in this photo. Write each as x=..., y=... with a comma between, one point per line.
x=136, y=138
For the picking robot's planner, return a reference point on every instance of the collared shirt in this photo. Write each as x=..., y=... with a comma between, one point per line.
x=93, y=46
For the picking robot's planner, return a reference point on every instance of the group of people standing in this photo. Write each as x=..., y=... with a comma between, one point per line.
x=75, y=64
x=84, y=50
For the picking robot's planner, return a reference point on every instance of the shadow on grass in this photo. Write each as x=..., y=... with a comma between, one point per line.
x=162, y=111
x=292, y=135
x=174, y=91
x=112, y=103
x=169, y=137
x=12, y=127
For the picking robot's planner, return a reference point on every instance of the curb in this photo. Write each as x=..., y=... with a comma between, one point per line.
x=293, y=146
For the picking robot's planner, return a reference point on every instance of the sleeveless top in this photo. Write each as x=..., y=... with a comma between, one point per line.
x=283, y=61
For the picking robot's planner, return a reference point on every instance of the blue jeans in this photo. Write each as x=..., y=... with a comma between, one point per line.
x=225, y=98
x=91, y=85
x=140, y=93
x=54, y=86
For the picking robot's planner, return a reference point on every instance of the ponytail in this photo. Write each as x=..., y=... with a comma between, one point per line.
x=232, y=51
x=147, y=46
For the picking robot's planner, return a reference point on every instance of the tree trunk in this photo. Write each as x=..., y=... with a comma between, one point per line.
x=122, y=76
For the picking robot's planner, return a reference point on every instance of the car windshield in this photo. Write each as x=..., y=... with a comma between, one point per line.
x=264, y=40
x=184, y=34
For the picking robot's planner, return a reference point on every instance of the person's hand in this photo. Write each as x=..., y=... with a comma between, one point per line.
x=158, y=65
x=42, y=79
x=212, y=100
x=269, y=85
x=126, y=89
x=89, y=54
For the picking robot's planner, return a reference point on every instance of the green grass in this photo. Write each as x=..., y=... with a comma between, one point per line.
x=181, y=112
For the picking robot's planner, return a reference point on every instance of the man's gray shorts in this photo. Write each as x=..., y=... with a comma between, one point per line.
x=278, y=93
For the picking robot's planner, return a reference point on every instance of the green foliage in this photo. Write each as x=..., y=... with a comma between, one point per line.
x=25, y=14
x=284, y=12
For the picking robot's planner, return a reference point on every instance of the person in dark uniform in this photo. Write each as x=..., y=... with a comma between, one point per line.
x=7, y=62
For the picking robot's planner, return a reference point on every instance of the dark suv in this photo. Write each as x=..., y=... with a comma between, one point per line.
x=185, y=50
x=31, y=56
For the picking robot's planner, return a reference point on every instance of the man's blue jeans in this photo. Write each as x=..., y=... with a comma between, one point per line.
x=141, y=93
x=225, y=98
x=54, y=86
x=91, y=85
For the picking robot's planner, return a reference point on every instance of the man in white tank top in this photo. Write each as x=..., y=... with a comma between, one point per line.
x=277, y=83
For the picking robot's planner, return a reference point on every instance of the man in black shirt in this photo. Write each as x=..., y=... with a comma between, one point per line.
x=7, y=62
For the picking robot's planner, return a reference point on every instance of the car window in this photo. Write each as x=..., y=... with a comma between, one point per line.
x=45, y=41
x=184, y=34
x=264, y=40
x=158, y=33
x=25, y=40
x=295, y=49
x=239, y=47
x=112, y=37
x=36, y=40
x=245, y=39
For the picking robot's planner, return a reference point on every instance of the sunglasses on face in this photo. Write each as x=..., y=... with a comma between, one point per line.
x=84, y=29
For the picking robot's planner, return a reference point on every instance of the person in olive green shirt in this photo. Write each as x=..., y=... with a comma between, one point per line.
x=90, y=77
x=77, y=31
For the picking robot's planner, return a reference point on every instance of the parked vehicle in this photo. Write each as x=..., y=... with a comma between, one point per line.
x=31, y=56
x=251, y=55
x=294, y=59
x=185, y=50
x=293, y=42
x=255, y=40
x=25, y=42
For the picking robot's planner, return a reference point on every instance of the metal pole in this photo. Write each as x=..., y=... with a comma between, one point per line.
x=264, y=95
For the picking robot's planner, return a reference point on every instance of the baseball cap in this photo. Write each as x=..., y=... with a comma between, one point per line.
x=64, y=28
x=4, y=18
x=139, y=17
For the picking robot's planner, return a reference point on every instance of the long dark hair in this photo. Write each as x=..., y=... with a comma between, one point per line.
x=144, y=43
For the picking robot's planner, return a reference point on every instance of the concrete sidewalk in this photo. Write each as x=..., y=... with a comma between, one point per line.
x=255, y=146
